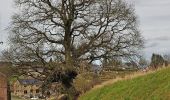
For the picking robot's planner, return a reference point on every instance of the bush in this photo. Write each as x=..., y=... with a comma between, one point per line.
x=157, y=61
x=85, y=82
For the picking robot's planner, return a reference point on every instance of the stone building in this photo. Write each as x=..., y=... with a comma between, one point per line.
x=3, y=87
x=27, y=88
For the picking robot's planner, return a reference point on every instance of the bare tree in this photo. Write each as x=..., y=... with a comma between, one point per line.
x=143, y=62
x=157, y=61
x=71, y=31
x=167, y=58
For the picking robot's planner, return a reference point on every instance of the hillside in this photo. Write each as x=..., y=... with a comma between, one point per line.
x=153, y=86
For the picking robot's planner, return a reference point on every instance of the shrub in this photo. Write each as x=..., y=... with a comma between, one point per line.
x=85, y=82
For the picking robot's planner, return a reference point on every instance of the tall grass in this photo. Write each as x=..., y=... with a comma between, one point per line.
x=152, y=86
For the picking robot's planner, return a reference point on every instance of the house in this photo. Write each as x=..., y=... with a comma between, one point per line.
x=27, y=88
x=3, y=87
x=131, y=66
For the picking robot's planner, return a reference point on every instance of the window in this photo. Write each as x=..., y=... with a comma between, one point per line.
x=25, y=91
x=37, y=90
x=31, y=90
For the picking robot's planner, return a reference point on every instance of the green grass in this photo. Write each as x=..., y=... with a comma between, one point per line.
x=154, y=86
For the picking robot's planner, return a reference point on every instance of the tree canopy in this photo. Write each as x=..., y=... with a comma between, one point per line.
x=72, y=31
x=157, y=61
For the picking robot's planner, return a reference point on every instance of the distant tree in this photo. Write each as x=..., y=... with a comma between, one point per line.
x=1, y=42
x=112, y=62
x=157, y=61
x=167, y=57
x=166, y=63
x=71, y=31
x=143, y=62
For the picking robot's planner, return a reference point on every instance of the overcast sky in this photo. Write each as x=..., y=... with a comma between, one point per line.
x=154, y=17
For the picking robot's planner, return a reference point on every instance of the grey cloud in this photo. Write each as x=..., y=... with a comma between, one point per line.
x=154, y=19
x=161, y=38
x=151, y=2
x=151, y=45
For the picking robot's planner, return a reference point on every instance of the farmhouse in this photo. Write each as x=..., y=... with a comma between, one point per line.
x=27, y=88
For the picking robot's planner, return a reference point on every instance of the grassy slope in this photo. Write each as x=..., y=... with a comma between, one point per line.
x=154, y=86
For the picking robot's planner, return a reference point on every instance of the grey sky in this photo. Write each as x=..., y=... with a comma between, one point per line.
x=154, y=17
x=6, y=10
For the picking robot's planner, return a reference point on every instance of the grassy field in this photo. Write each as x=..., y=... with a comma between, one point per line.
x=153, y=86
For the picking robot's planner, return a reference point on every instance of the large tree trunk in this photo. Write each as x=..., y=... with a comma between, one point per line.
x=68, y=58
x=67, y=46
